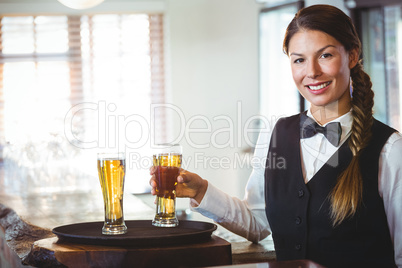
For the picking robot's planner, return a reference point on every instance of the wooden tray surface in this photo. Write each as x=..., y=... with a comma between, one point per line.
x=139, y=233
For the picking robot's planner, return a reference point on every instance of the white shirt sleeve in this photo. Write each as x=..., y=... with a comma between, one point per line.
x=390, y=189
x=247, y=217
x=243, y=217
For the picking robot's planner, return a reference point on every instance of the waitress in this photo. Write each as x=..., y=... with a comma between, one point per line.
x=336, y=198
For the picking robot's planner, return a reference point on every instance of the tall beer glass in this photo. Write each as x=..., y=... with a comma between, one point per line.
x=167, y=161
x=111, y=170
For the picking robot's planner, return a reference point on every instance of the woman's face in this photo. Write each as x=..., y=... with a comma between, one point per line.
x=321, y=69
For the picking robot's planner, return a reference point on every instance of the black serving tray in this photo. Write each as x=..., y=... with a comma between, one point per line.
x=139, y=233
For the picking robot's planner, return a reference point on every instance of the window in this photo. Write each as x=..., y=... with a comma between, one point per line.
x=380, y=26
x=70, y=85
x=278, y=93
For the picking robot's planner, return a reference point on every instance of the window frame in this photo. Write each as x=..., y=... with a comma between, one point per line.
x=356, y=12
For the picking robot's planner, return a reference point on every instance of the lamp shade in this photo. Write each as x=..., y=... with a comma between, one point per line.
x=80, y=4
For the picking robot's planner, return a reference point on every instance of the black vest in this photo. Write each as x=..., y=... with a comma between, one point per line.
x=298, y=213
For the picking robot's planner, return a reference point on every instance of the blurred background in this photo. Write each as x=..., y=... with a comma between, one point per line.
x=126, y=74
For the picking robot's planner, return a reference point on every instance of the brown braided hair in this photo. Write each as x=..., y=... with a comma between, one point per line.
x=346, y=196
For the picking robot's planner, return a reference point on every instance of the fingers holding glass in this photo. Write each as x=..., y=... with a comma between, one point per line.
x=166, y=162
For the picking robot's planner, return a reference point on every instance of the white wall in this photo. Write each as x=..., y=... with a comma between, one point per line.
x=213, y=63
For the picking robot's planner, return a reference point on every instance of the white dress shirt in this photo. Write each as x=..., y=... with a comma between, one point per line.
x=247, y=217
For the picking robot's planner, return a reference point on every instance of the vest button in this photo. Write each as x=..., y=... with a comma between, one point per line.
x=301, y=193
x=298, y=247
x=298, y=220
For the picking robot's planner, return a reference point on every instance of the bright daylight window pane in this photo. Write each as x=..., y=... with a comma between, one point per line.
x=116, y=70
x=36, y=97
x=278, y=94
x=52, y=34
x=29, y=100
x=17, y=35
x=113, y=68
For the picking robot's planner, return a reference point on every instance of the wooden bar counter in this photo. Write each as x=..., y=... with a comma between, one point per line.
x=26, y=221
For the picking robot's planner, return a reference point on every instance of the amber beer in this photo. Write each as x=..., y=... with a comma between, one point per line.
x=111, y=170
x=167, y=162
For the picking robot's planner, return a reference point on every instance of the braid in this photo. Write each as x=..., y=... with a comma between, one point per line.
x=362, y=109
x=347, y=194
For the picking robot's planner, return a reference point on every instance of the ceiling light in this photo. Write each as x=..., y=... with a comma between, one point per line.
x=80, y=4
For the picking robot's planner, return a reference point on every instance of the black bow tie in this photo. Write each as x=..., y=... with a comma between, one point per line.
x=308, y=128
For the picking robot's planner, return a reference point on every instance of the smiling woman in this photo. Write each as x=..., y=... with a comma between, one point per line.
x=321, y=71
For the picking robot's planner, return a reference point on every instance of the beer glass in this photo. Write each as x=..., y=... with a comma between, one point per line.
x=167, y=161
x=111, y=170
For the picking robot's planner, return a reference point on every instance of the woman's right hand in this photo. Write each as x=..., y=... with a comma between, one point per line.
x=188, y=185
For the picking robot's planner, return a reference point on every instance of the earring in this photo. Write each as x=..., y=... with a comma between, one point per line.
x=351, y=87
